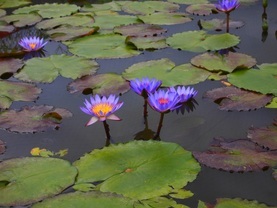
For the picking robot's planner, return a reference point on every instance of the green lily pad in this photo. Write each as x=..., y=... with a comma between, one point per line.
x=14, y=3
x=240, y=155
x=2, y=12
x=103, y=84
x=149, y=7
x=266, y=136
x=252, y=79
x=66, y=32
x=147, y=43
x=22, y=20
x=17, y=91
x=31, y=119
x=158, y=202
x=109, y=6
x=140, y=30
x=200, y=41
x=165, y=18
x=40, y=178
x=9, y=65
x=50, y=67
x=5, y=27
x=154, y=168
x=189, y=1
x=201, y=9
x=2, y=148
x=102, y=46
x=165, y=70
x=219, y=24
x=227, y=63
x=272, y=104
x=232, y=98
x=49, y=10
x=73, y=20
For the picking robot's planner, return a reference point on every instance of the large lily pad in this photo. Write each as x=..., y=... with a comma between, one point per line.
x=47, y=69
x=252, y=79
x=102, y=46
x=239, y=156
x=266, y=136
x=103, y=84
x=22, y=20
x=227, y=63
x=165, y=70
x=149, y=7
x=17, y=91
x=200, y=41
x=31, y=119
x=232, y=98
x=49, y=10
x=165, y=18
x=219, y=24
x=13, y=3
x=201, y=9
x=9, y=66
x=154, y=168
x=31, y=179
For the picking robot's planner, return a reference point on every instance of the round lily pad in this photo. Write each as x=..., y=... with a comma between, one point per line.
x=201, y=9
x=22, y=20
x=13, y=3
x=31, y=179
x=153, y=168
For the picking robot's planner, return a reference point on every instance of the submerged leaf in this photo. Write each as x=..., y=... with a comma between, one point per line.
x=31, y=119
x=240, y=155
x=154, y=168
x=232, y=98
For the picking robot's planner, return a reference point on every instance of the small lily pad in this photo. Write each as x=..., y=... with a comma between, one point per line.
x=9, y=66
x=232, y=98
x=2, y=147
x=201, y=9
x=200, y=41
x=31, y=119
x=165, y=18
x=266, y=136
x=103, y=84
x=17, y=91
x=22, y=20
x=148, y=43
x=14, y=3
x=154, y=168
x=40, y=178
x=5, y=27
x=49, y=10
x=240, y=155
x=50, y=67
x=219, y=24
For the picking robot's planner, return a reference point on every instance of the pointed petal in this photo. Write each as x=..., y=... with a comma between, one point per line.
x=92, y=121
x=113, y=117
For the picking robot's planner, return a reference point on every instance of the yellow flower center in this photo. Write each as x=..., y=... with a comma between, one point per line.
x=163, y=101
x=32, y=45
x=101, y=109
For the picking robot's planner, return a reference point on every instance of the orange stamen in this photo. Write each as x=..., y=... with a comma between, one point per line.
x=101, y=109
x=163, y=101
x=32, y=45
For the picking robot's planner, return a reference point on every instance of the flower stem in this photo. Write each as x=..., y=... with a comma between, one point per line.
x=107, y=131
x=157, y=136
x=227, y=22
x=145, y=113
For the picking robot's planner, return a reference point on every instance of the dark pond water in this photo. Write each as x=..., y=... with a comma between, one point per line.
x=194, y=131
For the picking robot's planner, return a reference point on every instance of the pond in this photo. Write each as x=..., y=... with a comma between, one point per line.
x=209, y=118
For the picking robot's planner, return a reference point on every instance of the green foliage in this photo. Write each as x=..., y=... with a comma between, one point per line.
x=165, y=18
x=22, y=20
x=13, y=3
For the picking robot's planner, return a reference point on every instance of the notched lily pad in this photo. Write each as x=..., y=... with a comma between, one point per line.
x=31, y=119
x=240, y=155
x=9, y=66
x=40, y=178
x=219, y=24
x=2, y=148
x=22, y=20
x=232, y=98
x=103, y=84
x=50, y=67
x=165, y=18
x=265, y=136
x=201, y=9
x=14, y=3
x=154, y=168
x=16, y=91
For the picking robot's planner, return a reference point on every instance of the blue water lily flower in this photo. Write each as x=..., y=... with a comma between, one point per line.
x=227, y=5
x=32, y=43
x=184, y=93
x=145, y=85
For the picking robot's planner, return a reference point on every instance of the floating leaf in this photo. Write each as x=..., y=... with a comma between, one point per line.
x=201, y=9
x=13, y=3
x=53, y=175
x=22, y=20
x=239, y=155
x=227, y=63
x=47, y=69
x=102, y=46
x=109, y=6
x=2, y=12
x=17, y=91
x=181, y=194
x=49, y=10
x=189, y=1
x=140, y=30
x=9, y=66
x=252, y=79
x=87, y=200
x=266, y=137
x=158, y=202
x=165, y=18
x=84, y=187
x=200, y=41
x=165, y=70
x=149, y=7
x=5, y=27
x=273, y=103
x=219, y=24
x=2, y=148
x=32, y=119
x=154, y=168
x=232, y=98
x=148, y=43
x=103, y=84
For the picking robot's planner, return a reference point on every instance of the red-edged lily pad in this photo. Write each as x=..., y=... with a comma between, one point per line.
x=266, y=136
x=201, y=9
x=240, y=155
x=2, y=147
x=9, y=66
x=31, y=119
x=232, y=98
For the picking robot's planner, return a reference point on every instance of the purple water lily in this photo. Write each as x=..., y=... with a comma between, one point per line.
x=227, y=5
x=32, y=43
x=145, y=85
x=184, y=93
